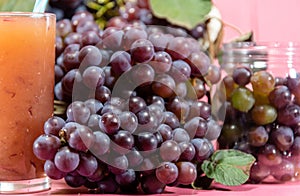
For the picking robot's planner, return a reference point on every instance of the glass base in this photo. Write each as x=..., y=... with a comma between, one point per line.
x=25, y=186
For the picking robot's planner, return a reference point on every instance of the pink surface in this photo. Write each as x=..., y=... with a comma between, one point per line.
x=271, y=20
x=287, y=189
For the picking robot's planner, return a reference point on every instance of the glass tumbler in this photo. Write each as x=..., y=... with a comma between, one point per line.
x=27, y=54
x=262, y=87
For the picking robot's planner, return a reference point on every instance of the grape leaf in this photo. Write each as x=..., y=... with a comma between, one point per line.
x=183, y=13
x=228, y=167
x=16, y=5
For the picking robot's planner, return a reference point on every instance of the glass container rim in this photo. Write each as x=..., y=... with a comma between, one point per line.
x=26, y=14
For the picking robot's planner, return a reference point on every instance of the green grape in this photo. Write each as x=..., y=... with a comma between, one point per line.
x=230, y=134
x=229, y=85
x=242, y=99
x=262, y=83
x=263, y=114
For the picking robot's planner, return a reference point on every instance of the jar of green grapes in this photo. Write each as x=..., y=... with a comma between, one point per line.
x=261, y=93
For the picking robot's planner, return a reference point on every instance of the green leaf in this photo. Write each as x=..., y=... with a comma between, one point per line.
x=232, y=157
x=183, y=13
x=228, y=167
x=16, y=5
x=230, y=175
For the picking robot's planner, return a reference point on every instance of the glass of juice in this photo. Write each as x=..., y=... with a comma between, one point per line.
x=27, y=55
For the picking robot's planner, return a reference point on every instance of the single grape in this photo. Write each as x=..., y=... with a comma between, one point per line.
x=136, y=104
x=259, y=172
x=161, y=62
x=88, y=165
x=66, y=160
x=170, y=150
x=46, y=146
x=280, y=97
x=289, y=115
x=213, y=130
x=283, y=137
x=107, y=185
x=284, y=171
x=151, y=185
x=141, y=74
x=101, y=144
x=122, y=142
x=258, y=136
x=180, y=135
x=126, y=178
x=90, y=56
x=129, y=121
x=164, y=86
x=94, y=105
x=90, y=38
x=262, y=82
x=199, y=63
x=53, y=125
x=146, y=141
x=242, y=99
x=269, y=155
x=77, y=111
x=52, y=172
x=196, y=127
x=178, y=48
x=81, y=139
x=113, y=38
x=93, y=77
x=167, y=172
x=142, y=51
x=187, y=172
x=165, y=131
x=120, y=62
x=74, y=180
x=263, y=114
x=170, y=119
x=203, y=148
x=187, y=151
x=110, y=123
x=242, y=75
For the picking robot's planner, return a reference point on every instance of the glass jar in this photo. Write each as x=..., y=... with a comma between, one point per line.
x=261, y=94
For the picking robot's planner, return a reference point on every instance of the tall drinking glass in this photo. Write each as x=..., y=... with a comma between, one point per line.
x=27, y=54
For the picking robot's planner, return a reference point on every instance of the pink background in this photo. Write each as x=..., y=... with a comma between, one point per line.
x=270, y=20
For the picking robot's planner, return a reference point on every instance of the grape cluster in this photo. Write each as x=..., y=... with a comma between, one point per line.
x=138, y=115
x=262, y=118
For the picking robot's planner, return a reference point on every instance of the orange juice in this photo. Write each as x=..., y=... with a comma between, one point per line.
x=27, y=54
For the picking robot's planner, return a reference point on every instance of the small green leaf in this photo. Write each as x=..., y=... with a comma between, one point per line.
x=229, y=167
x=183, y=13
x=233, y=157
x=16, y=5
x=230, y=175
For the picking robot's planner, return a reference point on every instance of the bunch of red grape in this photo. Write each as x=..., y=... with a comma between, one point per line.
x=263, y=118
x=138, y=114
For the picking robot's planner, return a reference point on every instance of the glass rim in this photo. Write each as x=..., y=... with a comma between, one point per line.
x=18, y=13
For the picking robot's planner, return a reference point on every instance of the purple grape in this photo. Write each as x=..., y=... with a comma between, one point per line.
x=75, y=181
x=77, y=111
x=151, y=185
x=90, y=56
x=122, y=142
x=241, y=75
x=283, y=137
x=170, y=150
x=113, y=38
x=259, y=172
x=180, y=135
x=280, y=97
x=187, y=173
x=142, y=51
x=52, y=172
x=167, y=172
x=146, y=141
x=110, y=123
x=53, y=125
x=81, y=138
x=203, y=148
x=129, y=121
x=161, y=62
x=46, y=146
x=187, y=151
x=93, y=77
x=196, y=127
x=88, y=165
x=66, y=160
x=101, y=144
x=120, y=62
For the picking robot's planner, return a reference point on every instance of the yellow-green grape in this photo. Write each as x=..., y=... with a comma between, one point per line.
x=229, y=85
x=263, y=114
x=242, y=99
x=262, y=83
